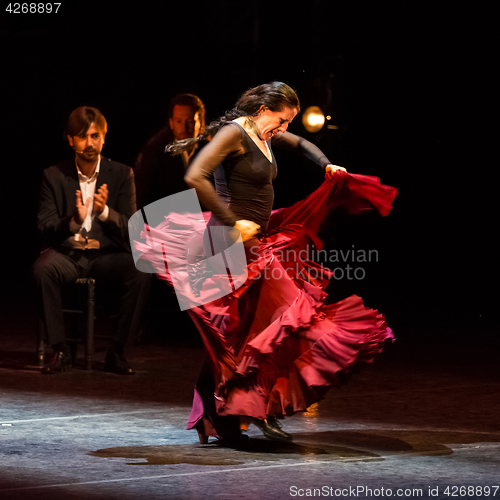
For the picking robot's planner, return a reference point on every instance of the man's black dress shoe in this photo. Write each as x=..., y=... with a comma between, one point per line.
x=60, y=363
x=271, y=428
x=117, y=364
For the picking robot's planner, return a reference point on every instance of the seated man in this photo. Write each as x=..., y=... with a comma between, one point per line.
x=85, y=205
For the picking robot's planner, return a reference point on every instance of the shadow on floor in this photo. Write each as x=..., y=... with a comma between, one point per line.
x=325, y=446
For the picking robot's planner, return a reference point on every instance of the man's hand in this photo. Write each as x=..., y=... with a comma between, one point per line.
x=81, y=208
x=100, y=199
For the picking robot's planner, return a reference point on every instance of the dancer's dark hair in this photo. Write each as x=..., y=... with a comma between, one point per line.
x=275, y=96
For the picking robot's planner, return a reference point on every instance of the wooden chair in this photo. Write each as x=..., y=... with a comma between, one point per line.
x=88, y=313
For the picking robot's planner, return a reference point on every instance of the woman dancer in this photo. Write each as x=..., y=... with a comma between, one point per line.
x=274, y=347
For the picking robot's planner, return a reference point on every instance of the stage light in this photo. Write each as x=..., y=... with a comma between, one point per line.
x=313, y=119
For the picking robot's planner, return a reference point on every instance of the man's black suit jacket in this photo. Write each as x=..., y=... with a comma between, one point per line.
x=58, y=201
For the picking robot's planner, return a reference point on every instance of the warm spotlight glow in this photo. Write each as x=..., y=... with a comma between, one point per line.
x=313, y=119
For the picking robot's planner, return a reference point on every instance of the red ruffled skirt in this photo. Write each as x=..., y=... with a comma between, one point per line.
x=274, y=347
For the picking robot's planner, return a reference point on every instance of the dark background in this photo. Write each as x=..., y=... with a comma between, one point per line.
x=410, y=87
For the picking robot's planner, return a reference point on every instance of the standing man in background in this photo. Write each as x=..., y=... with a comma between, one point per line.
x=159, y=174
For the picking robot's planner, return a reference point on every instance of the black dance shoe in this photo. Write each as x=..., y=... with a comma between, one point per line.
x=271, y=428
x=60, y=363
x=117, y=364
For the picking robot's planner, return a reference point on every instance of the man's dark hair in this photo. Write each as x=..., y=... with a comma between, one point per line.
x=81, y=118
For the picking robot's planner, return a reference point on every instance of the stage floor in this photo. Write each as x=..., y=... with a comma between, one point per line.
x=423, y=422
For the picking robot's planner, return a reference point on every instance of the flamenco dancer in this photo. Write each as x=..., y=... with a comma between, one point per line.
x=274, y=347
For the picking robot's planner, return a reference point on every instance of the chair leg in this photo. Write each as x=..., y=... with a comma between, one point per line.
x=40, y=343
x=89, y=340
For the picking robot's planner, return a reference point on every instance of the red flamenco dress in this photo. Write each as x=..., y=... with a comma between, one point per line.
x=274, y=347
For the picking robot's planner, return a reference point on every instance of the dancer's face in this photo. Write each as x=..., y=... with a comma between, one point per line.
x=270, y=123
